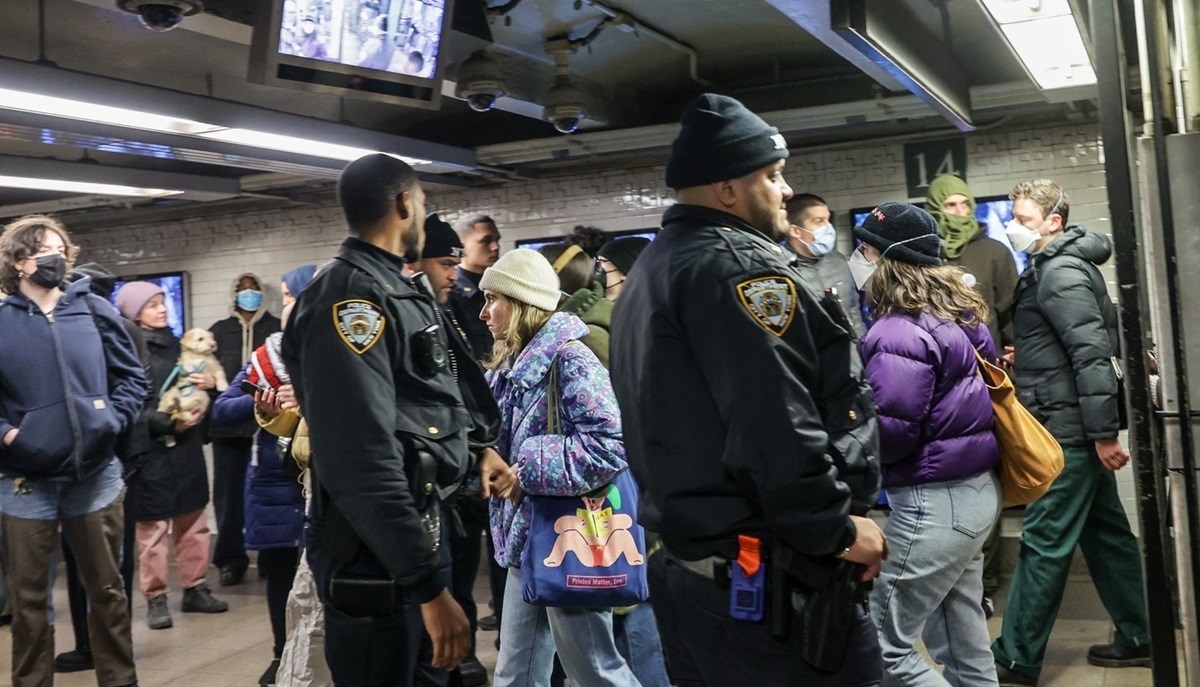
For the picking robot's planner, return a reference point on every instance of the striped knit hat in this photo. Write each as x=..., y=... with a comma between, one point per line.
x=266, y=364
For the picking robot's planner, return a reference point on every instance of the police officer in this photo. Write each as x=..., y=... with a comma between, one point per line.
x=388, y=429
x=437, y=271
x=746, y=418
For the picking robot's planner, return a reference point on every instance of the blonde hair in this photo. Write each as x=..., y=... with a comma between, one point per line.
x=524, y=321
x=901, y=287
x=1047, y=195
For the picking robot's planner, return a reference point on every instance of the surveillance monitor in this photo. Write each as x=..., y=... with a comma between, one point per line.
x=387, y=50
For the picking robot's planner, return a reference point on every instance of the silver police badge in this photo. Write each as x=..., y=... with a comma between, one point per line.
x=771, y=301
x=359, y=323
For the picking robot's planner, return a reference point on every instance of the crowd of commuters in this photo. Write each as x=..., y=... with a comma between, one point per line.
x=422, y=387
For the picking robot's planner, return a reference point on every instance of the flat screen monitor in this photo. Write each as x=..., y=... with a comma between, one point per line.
x=992, y=212
x=174, y=286
x=543, y=241
x=389, y=50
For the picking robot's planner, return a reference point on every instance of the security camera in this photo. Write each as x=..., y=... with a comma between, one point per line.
x=161, y=15
x=564, y=107
x=565, y=119
x=480, y=82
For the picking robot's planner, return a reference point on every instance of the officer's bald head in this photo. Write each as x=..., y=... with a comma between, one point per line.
x=368, y=189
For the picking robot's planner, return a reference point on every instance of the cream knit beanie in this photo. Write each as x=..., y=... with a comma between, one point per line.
x=524, y=275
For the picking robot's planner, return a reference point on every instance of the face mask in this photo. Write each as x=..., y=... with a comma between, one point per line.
x=51, y=269
x=824, y=239
x=1022, y=238
x=249, y=300
x=861, y=269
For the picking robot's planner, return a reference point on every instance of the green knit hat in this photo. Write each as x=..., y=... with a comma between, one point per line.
x=954, y=230
x=945, y=186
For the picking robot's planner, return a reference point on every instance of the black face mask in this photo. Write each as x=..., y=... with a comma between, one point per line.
x=51, y=269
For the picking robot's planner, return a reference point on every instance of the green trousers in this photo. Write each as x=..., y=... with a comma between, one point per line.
x=1081, y=507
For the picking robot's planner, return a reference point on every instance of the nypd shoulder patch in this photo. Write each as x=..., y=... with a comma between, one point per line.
x=360, y=323
x=771, y=301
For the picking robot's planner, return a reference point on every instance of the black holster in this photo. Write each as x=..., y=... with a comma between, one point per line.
x=823, y=592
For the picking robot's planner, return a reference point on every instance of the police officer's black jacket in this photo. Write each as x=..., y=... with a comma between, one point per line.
x=1065, y=329
x=466, y=301
x=472, y=382
x=375, y=397
x=742, y=399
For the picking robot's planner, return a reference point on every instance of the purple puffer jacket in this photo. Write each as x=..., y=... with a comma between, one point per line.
x=935, y=416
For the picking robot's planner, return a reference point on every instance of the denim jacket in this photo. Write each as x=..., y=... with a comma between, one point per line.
x=589, y=453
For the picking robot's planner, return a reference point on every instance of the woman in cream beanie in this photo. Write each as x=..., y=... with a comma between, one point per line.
x=521, y=292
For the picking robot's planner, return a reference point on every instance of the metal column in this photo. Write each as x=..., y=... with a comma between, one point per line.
x=1134, y=306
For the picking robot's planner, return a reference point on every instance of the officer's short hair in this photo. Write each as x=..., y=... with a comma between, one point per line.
x=368, y=188
x=801, y=202
x=466, y=225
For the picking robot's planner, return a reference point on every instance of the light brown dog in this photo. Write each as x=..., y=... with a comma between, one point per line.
x=195, y=357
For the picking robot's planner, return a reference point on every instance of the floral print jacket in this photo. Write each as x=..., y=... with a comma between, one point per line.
x=587, y=455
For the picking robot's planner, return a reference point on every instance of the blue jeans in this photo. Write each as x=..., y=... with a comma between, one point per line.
x=582, y=636
x=637, y=639
x=61, y=499
x=932, y=582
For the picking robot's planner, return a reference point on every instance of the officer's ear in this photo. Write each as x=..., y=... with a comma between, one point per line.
x=404, y=205
x=726, y=192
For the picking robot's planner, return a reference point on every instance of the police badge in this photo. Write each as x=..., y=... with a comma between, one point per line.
x=359, y=323
x=771, y=301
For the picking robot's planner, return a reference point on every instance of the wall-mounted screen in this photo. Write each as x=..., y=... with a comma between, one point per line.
x=379, y=49
x=992, y=212
x=543, y=241
x=175, y=286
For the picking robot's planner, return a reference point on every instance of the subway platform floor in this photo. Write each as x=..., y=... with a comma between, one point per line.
x=232, y=649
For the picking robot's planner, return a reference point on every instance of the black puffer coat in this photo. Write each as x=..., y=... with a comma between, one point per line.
x=1065, y=330
x=174, y=480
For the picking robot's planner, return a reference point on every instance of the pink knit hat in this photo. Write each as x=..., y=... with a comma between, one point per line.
x=134, y=296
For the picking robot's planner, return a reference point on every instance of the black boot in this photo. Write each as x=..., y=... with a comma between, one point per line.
x=1117, y=656
x=268, y=676
x=199, y=600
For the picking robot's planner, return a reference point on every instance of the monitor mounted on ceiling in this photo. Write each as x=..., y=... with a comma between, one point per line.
x=386, y=50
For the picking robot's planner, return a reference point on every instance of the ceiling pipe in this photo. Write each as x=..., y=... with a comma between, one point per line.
x=1187, y=64
x=632, y=24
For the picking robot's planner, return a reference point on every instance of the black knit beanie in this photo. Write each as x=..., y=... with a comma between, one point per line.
x=623, y=252
x=720, y=140
x=441, y=241
x=902, y=232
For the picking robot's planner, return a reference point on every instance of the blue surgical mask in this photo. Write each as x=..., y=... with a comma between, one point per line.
x=249, y=300
x=824, y=239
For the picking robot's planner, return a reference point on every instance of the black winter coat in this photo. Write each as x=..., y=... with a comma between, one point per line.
x=174, y=480
x=228, y=334
x=1065, y=328
x=742, y=398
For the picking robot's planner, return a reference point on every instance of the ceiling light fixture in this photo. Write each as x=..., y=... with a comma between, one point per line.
x=1047, y=39
x=62, y=186
x=62, y=176
x=149, y=121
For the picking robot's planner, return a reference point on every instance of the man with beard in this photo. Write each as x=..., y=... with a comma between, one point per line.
x=388, y=429
x=746, y=419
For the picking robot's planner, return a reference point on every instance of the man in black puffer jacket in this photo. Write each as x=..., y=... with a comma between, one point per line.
x=1065, y=329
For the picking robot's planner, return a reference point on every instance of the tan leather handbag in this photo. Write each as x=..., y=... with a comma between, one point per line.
x=1030, y=457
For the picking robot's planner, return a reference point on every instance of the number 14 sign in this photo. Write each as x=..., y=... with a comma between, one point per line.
x=926, y=160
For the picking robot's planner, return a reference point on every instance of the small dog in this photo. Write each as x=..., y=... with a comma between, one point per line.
x=195, y=357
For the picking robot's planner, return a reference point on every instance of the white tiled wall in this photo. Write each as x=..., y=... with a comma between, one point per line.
x=214, y=250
